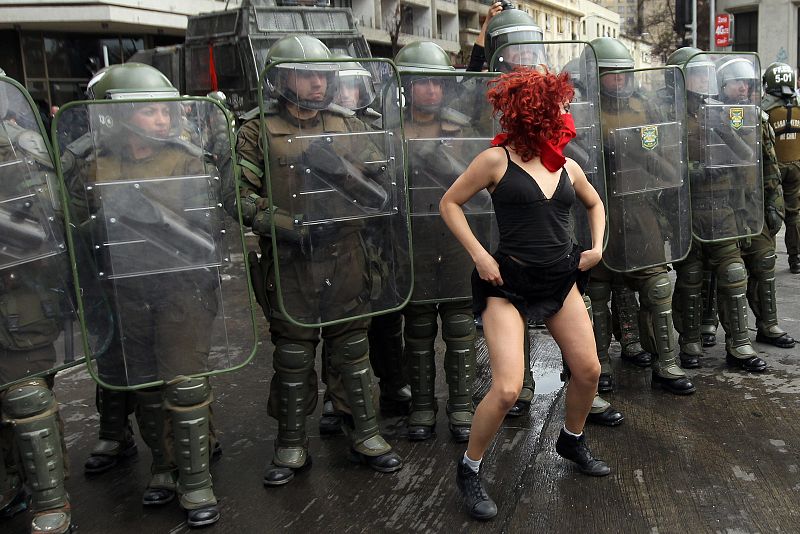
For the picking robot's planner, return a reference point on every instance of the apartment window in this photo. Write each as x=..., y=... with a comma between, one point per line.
x=560, y=24
x=58, y=66
x=546, y=21
x=745, y=32
x=583, y=27
x=597, y=30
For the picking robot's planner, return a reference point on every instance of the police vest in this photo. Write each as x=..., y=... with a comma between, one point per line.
x=785, y=120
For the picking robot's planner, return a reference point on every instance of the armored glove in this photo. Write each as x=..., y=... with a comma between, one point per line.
x=774, y=209
x=257, y=215
x=440, y=165
x=323, y=162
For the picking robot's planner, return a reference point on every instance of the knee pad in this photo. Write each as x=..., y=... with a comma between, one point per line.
x=28, y=399
x=732, y=273
x=188, y=392
x=657, y=290
x=457, y=325
x=293, y=356
x=766, y=263
x=588, y=303
x=691, y=274
x=421, y=326
x=599, y=291
x=352, y=349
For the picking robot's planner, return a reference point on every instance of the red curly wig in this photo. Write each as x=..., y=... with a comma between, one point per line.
x=527, y=101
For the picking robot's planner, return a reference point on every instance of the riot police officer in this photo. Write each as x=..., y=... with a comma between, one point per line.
x=723, y=168
x=159, y=282
x=437, y=137
x=737, y=82
x=780, y=102
x=633, y=219
x=323, y=265
x=357, y=93
x=35, y=309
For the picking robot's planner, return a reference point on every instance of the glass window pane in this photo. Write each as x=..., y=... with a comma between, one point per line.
x=63, y=92
x=38, y=90
x=131, y=45
x=113, y=50
x=33, y=55
x=72, y=57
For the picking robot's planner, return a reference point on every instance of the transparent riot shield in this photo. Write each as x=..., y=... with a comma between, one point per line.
x=447, y=122
x=39, y=328
x=725, y=146
x=164, y=231
x=335, y=180
x=578, y=59
x=645, y=150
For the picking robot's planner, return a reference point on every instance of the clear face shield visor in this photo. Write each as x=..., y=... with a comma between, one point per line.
x=355, y=88
x=701, y=78
x=737, y=80
x=156, y=121
x=616, y=83
x=427, y=93
x=306, y=85
x=521, y=55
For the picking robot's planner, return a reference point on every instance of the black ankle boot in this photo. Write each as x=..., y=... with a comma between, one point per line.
x=605, y=383
x=574, y=448
x=478, y=502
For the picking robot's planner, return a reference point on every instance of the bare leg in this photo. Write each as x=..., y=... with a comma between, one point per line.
x=572, y=330
x=503, y=328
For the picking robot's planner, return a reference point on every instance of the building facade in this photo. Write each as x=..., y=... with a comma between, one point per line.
x=54, y=47
x=769, y=27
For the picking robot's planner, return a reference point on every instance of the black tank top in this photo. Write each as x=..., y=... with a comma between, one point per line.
x=533, y=229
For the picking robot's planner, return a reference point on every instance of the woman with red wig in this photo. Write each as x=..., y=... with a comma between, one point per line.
x=537, y=272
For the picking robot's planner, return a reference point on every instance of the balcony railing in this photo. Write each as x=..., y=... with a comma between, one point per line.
x=419, y=31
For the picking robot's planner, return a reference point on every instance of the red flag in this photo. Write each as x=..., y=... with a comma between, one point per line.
x=212, y=69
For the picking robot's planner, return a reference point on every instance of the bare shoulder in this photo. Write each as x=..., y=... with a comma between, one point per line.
x=492, y=156
x=574, y=170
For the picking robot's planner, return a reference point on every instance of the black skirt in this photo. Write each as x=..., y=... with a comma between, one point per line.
x=538, y=292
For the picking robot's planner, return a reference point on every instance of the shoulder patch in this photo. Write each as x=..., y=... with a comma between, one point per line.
x=34, y=146
x=188, y=146
x=82, y=145
x=336, y=109
x=372, y=114
x=455, y=117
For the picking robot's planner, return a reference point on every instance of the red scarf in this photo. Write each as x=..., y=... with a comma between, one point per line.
x=551, y=153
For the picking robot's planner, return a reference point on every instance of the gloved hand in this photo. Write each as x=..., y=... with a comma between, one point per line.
x=255, y=213
x=774, y=220
x=774, y=209
x=323, y=160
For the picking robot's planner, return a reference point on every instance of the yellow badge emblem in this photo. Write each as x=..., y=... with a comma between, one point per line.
x=737, y=118
x=649, y=137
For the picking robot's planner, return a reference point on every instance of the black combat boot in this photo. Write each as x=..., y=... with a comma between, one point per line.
x=574, y=448
x=794, y=263
x=330, y=422
x=478, y=502
x=605, y=383
x=783, y=341
x=753, y=364
x=708, y=340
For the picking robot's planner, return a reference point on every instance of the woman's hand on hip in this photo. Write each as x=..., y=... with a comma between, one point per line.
x=589, y=258
x=488, y=269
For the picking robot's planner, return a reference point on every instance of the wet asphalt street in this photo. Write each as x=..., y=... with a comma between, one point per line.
x=726, y=459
